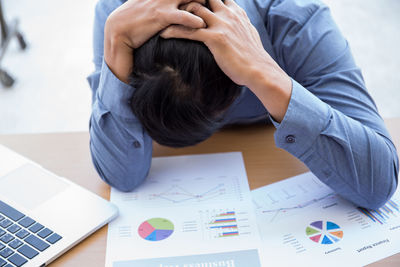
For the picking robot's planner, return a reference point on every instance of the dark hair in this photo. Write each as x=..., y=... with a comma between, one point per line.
x=181, y=93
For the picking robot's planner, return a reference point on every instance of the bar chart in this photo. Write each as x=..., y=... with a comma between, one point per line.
x=225, y=224
x=390, y=210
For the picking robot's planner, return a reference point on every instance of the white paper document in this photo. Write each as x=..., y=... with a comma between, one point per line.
x=190, y=211
x=302, y=222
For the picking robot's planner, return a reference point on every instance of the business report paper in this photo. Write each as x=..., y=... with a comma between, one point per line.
x=191, y=211
x=304, y=223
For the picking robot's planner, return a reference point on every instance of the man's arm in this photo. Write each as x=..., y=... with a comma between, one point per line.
x=121, y=150
x=338, y=132
x=333, y=125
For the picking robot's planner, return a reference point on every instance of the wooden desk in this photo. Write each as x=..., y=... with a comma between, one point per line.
x=67, y=154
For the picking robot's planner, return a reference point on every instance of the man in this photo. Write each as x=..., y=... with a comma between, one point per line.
x=296, y=69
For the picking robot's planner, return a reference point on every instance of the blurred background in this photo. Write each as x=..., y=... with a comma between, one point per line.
x=51, y=93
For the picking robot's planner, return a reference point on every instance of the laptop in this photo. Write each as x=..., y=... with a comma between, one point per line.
x=43, y=215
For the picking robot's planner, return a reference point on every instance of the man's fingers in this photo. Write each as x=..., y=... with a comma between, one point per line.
x=182, y=32
x=181, y=2
x=201, y=11
x=216, y=5
x=187, y=19
x=230, y=3
x=234, y=6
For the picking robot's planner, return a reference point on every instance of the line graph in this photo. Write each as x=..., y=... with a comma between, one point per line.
x=277, y=212
x=291, y=196
x=302, y=205
x=187, y=191
x=178, y=194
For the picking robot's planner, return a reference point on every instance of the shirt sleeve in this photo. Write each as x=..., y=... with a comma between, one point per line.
x=121, y=151
x=332, y=123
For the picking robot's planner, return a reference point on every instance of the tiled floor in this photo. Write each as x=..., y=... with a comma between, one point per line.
x=51, y=93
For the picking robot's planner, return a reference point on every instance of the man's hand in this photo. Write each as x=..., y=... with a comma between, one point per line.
x=136, y=21
x=238, y=50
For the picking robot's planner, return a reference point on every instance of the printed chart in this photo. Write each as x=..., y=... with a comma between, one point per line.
x=156, y=229
x=186, y=191
x=291, y=197
x=324, y=232
x=303, y=220
x=382, y=215
x=177, y=194
x=195, y=210
x=184, y=181
x=225, y=224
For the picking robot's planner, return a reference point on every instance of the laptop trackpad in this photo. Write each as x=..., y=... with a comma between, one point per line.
x=30, y=186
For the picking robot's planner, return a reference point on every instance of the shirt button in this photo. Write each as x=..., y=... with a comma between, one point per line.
x=290, y=139
x=136, y=144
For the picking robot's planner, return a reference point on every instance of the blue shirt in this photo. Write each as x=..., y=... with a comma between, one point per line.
x=332, y=123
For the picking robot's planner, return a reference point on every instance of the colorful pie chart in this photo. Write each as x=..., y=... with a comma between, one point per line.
x=156, y=229
x=324, y=232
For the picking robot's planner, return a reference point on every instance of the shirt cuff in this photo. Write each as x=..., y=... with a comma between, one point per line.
x=114, y=94
x=306, y=117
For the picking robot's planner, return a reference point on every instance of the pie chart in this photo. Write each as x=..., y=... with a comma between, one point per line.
x=324, y=232
x=156, y=229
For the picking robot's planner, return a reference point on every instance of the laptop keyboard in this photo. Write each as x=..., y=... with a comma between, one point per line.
x=21, y=237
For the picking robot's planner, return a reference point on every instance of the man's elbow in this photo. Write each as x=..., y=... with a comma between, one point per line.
x=384, y=189
x=376, y=201
x=124, y=179
x=125, y=187
x=129, y=181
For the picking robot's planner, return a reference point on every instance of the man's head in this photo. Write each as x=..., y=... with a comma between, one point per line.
x=181, y=93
